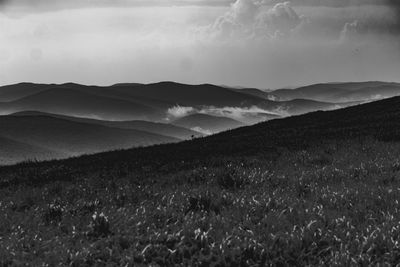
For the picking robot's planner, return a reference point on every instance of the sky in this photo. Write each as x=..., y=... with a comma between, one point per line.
x=266, y=44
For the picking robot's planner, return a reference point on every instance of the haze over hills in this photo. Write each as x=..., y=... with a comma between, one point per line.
x=261, y=140
x=286, y=184
x=147, y=126
x=47, y=137
x=151, y=102
x=13, y=151
x=79, y=103
x=207, y=124
x=340, y=92
x=70, y=119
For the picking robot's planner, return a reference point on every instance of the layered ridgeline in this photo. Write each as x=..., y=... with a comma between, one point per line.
x=152, y=102
x=57, y=121
x=339, y=92
x=379, y=120
x=309, y=190
x=47, y=137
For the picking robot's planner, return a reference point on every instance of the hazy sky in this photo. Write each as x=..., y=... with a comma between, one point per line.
x=264, y=43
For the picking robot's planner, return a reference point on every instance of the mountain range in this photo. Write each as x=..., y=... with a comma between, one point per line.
x=264, y=140
x=47, y=121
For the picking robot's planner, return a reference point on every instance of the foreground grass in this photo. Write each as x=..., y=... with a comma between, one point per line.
x=335, y=204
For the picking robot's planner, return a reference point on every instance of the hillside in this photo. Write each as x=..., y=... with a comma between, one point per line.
x=207, y=123
x=16, y=91
x=151, y=102
x=67, y=138
x=319, y=189
x=79, y=103
x=266, y=139
x=13, y=151
x=294, y=191
x=340, y=92
x=147, y=126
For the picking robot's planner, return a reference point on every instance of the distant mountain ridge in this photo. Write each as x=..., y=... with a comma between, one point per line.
x=340, y=92
x=147, y=126
x=47, y=121
x=46, y=137
x=379, y=120
x=149, y=102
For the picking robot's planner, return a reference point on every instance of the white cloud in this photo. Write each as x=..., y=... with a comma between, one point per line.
x=281, y=19
x=350, y=31
x=201, y=130
x=247, y=115
x=179, y=111
x=249, y=19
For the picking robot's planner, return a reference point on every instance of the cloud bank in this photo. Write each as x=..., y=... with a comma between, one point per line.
x=247, y=115
x=247, y=19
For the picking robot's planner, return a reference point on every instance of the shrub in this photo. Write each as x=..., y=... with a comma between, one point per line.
x=231, y=179
x=99, y=226
x=53, y=214
x=206, y=201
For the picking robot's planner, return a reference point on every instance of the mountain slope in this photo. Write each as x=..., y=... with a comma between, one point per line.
x=147, y=126
x=16, y=91
x=149, y=101
x=298, y=191
x=72, y=138
x=79, y=103
x=191, y=95
x=378, y=120
x=207, y=123
x=340, y=92
x=13, y=151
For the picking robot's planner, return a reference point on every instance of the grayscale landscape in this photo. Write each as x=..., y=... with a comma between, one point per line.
x=199, y=133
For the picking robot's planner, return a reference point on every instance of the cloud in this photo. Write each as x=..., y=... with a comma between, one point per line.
x=179, y=111
x=247, y=18
x=350, y=31
x=238, y=113
x=247, y=115
x=262, y=48
x=201, y=130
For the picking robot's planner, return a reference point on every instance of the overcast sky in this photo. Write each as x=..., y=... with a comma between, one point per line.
x=264, y=43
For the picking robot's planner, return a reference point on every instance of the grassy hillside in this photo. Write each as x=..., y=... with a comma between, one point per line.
x=317, y=189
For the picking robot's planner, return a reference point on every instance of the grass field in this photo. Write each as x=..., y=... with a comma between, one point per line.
x=336, y=204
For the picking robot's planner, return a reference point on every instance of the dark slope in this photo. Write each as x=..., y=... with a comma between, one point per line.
x=16, y=91
x=73, y=138
x=340, y=92
x=379, y=120
x=80, y=103
x=192, y=95
x=204, y=122
x=253, y=92
x=12, y=151
x=147, y=126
